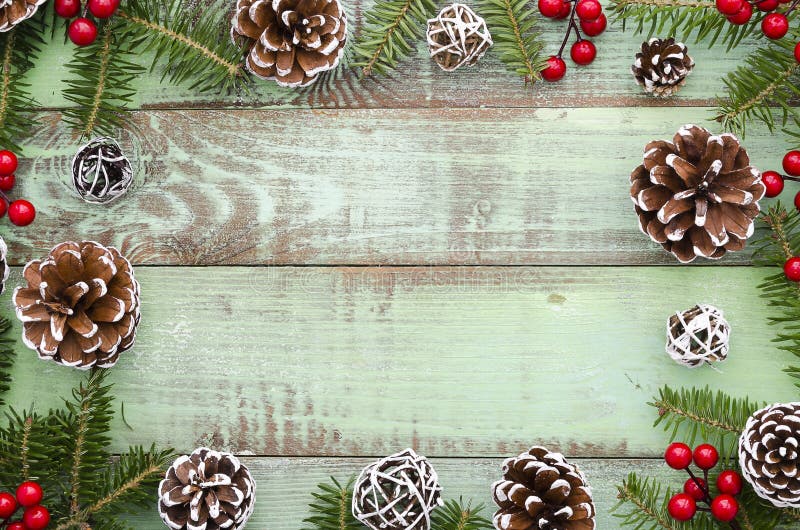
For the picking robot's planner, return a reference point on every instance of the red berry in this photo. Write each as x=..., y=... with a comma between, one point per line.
x=22, y=213
x=106, y=8
x=729, y=482
x=3, y=207
x=743, y=16
x=566, y=9
x=774, y=183
x=682, y=507
x=588, y=9
x=706, y=456
x=724, y=508
x=555, y=70
x=68, y=8
x=16, y=525
x=36, y=518
x=7, y=182
x=767, y=5
x=797, y=52
x=8, y=505
x=791, y=163
x=8, y=163
x=797, y=200
x=695, y=491
x=583, y=52
x=28, y=493
x=792, y=269
x=550, y=8
x=775, y=25
x=729, y=7
x=592, y=28
x=678, y=455
x=82, y=31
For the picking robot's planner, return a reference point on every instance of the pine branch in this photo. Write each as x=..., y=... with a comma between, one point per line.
x=457, y=515
x=330, y=508
x=25, y=450
x=390, y=29
x=646, y=508
x=189, y=40
x=512, y=25
x=7, y=356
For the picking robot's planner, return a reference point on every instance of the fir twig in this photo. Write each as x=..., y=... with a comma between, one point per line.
x=459, y=515
x=330, y=509
x=642, y=506
x=6, y=357
x=512, y=25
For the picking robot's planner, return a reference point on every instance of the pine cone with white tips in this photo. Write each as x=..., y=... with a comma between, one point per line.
x=12, y=12
x=662, y=66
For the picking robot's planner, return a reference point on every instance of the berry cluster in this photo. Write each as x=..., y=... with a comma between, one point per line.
x=683, y=506
x=20, y=212
x=592, y=22
x=28, y=498
x=83, y=30
x=774, y=25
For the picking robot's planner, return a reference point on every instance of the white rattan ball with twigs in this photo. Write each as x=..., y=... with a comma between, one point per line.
x=397, y=492
x=698, y=336
x=457, y=37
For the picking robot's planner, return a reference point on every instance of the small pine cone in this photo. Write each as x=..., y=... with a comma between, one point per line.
x=769, y=453
x=12, y=12
x=3, y=265
x=101, y=172
x=397, y=492
x=698, y=336
x=662, y=66
x=290, y=41
x=207, y=490
x=540, y=490
x=697, y=195
x=457, y=37
x=80, y=306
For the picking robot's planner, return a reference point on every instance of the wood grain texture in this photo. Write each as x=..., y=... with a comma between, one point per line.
x=455, y=361
x=480, y=186
x=284, y=485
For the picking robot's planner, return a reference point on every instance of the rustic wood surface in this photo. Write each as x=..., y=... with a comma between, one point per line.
x=444, y=261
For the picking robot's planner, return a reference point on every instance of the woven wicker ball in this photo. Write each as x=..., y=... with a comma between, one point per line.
x=698, y=336
x=397, y=492
x=101, y=172
x=457, y=37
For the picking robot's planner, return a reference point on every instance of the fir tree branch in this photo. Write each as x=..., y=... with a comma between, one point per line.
x=458, y=515
x=24, y=449
x=330, y=509
x=512, y=25
x=6, y=357
x=643, y=495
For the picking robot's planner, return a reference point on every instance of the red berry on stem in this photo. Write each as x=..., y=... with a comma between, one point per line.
x=588, y=9
x=792, y=269
x=797, y=52
x=7, y=182
x=67, y=8
x=724, y=508
x=566, y=9
x=583, y=52
x=729, y=7
x=8, y=505
x=22, y=213
x=775, y=25
x=28, y=493
x=8, y=163
x=767, y=5
x=36, y=518
x=82, y=31
x=550, y=8
x=592, y=28
x=743, y=16
x=678, y=455
x=705, y=456
x=682, y=507
x=3, y=207
x=791, y=163
x=695, y=491
x=555, y=69
x=106, y=8
x=797, y=200
x=16, y=525
x=729, y=482
x=774, y=183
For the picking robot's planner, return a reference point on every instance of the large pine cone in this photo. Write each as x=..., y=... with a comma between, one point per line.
x=290, y=41
x=81, y=305
x=662, y=66
x=697, y=195
x=12, y=12
x=207, y=490
x=540, y=490
x=3, y=265
x=769, y=453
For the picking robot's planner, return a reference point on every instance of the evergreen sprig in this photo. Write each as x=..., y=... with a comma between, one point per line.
x=642, y=505
x=458, y=515
x=512, y=25
x=390, y=30
x=7, y=356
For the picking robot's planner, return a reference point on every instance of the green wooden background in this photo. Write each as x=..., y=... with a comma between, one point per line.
x=444, y=261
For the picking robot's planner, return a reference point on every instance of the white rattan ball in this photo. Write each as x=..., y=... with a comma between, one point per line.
x=698, y=336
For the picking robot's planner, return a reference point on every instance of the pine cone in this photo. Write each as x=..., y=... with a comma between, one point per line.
x=697, y=195
x=457, y=36
x=540, y=490
x=290, y=41
x=662, y=66
x=12, y=12
x=3, y=265
x=698, y=336
x=397, y=492
x=769, y=453
x=81, y=305
x=206, y=490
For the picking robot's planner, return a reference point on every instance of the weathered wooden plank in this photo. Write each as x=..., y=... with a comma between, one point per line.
x=456, y=361
x=284, y=485
x=480, y=186
x=420, y=83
